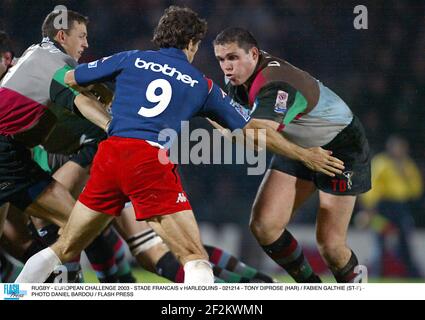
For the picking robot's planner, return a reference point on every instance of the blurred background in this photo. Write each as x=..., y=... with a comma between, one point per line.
x=379, y=72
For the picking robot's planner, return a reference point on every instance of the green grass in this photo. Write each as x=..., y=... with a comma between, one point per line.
x=147, y=277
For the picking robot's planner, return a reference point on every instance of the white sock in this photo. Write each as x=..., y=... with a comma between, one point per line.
x=39, y=267
x=198, y=271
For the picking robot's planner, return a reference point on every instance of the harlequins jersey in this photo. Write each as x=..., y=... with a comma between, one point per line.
x=309, y=113
x=33, y=94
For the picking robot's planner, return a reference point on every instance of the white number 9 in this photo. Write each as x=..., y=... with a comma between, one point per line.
x=162, y=100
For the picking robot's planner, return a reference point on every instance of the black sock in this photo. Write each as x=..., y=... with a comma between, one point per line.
x=347, y=274
x=35, y=246
x=230, y=269
x=287, y=253
x=169, y=268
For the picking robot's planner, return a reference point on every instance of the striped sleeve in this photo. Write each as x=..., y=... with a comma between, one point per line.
x=61, y=94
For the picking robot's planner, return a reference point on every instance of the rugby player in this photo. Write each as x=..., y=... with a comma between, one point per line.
x=309, y=114
x=30, y=94
x=126, y=166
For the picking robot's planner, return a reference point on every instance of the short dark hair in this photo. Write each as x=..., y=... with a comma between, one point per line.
x=48, y=28
x=177, y=26
x=5, y=43
x=242, y=37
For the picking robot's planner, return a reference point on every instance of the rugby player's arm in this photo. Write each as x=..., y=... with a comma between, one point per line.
x=61, y=94
x=93, y=111
x=316, y=159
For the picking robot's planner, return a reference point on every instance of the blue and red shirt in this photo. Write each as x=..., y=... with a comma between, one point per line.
x=157, y=90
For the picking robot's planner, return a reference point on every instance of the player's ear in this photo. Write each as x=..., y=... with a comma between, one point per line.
x=60, y=36
x=193, y=46
x=255, y=53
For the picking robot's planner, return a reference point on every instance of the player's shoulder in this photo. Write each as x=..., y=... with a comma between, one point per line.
x=52, y=54
x=273, y=69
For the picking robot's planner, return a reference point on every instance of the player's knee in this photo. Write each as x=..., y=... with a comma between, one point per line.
x=65, y=250
x=263, y=229
x=330, y=245
x=57, y=190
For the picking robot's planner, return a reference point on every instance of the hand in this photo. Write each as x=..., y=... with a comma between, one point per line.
x=320, y=160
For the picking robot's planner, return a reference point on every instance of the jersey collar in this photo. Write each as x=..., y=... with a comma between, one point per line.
x=53, y=42
x=258, y=68
x=174, y=52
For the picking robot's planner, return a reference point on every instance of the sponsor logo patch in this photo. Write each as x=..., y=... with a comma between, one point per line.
x=281, y=101
x=244, y=112
x=92, y=64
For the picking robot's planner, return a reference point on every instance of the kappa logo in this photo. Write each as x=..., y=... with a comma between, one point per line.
x=281, y=102
x=181, y=198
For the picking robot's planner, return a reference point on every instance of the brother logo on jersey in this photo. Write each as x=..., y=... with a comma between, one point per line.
x=165, y=69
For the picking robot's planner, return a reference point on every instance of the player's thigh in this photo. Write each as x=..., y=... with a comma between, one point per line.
x=83, y=226
x=333, y=218
x=181, y=233
x=54, y=204
x=128, y=226
x=279, y=195
x=73, y=177
x=145, y=245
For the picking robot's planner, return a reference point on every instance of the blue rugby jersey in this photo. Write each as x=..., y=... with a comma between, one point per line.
x=156, y=90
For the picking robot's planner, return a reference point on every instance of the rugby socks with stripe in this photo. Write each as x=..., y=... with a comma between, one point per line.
x=231, y=269
x=287, y=253
x=347, y=274
x=169, y=268
x=143, y=241
x=124, y=273
x=102, y=258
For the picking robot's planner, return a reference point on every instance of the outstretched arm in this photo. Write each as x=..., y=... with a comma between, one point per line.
x=316, y=158
x=93, y=111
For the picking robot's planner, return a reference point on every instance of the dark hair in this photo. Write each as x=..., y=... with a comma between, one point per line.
x=48, y=28
x=242, y=37
x=5, y=43
x=177, y=27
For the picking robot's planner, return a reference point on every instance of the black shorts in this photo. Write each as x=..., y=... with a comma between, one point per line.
x=21, y=179
x=84, y=157
x=350, y=146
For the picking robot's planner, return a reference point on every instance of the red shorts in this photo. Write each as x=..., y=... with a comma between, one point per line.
x=128, y=169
